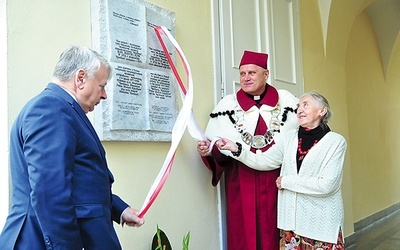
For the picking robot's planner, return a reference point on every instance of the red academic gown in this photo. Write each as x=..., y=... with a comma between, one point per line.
x=251, y=195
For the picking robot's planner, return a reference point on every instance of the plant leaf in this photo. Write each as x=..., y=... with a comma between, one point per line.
x=185, y=243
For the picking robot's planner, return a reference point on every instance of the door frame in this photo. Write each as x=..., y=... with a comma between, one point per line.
x=295, y=73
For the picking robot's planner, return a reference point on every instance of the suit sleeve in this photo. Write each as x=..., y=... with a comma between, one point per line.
x=118, y=206
x=49, y=143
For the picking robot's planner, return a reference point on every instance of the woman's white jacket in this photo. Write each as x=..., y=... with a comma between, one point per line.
x=310, y=203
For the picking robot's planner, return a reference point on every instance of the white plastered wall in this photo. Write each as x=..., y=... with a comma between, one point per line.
x=4, y=186
x=38, y=31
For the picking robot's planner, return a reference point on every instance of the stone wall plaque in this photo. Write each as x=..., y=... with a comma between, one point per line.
x=141, y=103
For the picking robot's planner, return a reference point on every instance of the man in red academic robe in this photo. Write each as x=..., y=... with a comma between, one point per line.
x=257, y=115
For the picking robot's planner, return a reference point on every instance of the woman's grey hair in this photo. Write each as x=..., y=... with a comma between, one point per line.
x=323, y=103
x=79, y=57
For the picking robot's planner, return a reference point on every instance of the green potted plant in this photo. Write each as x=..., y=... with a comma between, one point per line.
x=161, y=241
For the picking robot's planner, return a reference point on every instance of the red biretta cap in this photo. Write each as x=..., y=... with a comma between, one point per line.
x=250, y=57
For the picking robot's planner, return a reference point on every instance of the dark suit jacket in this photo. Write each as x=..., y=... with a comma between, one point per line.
x=61, y=184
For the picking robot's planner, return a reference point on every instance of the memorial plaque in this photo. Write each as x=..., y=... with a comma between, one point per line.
x=141, y=103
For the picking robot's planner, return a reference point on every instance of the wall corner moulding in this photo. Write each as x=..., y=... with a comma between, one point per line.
x=324, y=10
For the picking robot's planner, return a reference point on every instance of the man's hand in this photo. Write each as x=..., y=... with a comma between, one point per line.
x=203, y=148
x=130, y=218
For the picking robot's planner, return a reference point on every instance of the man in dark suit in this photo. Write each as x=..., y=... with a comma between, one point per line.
x=61, y=184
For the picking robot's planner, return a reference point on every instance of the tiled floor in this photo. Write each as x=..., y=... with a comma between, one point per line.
x=383, y=234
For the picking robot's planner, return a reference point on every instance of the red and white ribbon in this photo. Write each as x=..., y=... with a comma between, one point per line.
x=185, y=119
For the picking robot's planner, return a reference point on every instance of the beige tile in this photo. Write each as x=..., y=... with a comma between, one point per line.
x=380, y=235
x=389, y=244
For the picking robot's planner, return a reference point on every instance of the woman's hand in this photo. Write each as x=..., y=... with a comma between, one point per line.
x=225, y=144
x=278, y=183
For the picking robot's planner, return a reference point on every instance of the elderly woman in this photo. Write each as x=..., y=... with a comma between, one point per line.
x=310, y=206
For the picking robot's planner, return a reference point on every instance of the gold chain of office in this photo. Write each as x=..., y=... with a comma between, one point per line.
x=256, y=141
